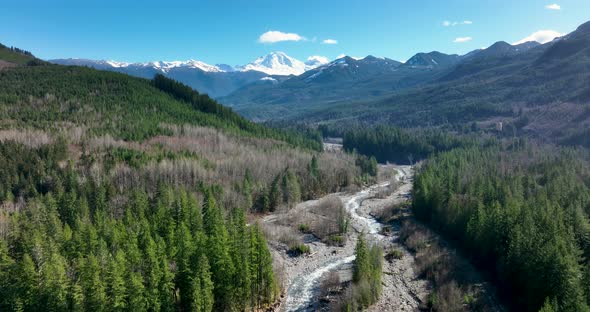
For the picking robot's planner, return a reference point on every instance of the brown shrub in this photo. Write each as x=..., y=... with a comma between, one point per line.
x=449, y=297
x=330, y=286
x=327, y=220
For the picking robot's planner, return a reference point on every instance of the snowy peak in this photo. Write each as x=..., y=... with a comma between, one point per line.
x=167, y=66
x=115, y=64
x=162, y=66
x=315, y=61
x=276, y=63
x=431, y=60
x=346, y=69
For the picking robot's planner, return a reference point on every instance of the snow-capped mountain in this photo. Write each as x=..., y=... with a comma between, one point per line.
x=315, y=61
x=215, y=80
x=166, y=66
x=276, y=63
x=432, y=60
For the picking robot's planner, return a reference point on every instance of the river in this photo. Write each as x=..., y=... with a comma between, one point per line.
x=303, y=289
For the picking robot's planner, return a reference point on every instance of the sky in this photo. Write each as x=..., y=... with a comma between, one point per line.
x=237, y=32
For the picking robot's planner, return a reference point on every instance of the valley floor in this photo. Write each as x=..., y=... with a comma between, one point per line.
x=402, y=291
x=302, y=277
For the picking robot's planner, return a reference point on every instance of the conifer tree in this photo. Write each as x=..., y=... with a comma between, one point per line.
x=28, y=281
x=360, y=269
x=204, y=286
x=166, y=287
x=275, y=195
x=116, y=286
x=136, y=300
x=54, y=284
x=75, y=296
x=240, y=258
x=92, y=284
x=291, y=188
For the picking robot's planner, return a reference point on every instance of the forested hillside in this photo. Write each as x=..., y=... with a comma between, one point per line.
x=15, y=55
x=396, y=145
x=121, y=193
x=128, y=108
x=535, y=90
x=521, y=212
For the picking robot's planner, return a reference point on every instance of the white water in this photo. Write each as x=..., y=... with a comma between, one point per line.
x=303, y=288
x=369, y=225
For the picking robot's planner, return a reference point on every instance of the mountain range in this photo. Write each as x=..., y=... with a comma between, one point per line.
x=214, y=80
x=349, y=80
x=277, y=78
x=272, y=77
x=537, y=88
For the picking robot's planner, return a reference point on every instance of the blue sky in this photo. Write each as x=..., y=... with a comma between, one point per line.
x=231, y=31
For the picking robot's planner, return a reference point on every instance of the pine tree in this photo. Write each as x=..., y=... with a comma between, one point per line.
x=92, y=284
x=8, y=294
x=151, y=271
x=54, y=284
x=205, y=286
x=67, y=208
x=184, y=276
x=360, y=269
x=28, y=282
x=376, y=264
x=240, y=258
x=116, y=286
x=291, y=188
x=247, y=189
x=166, y=287
x=136, y=300
x=264, y=287
x=210, y=213
x=275, y=195
x=313, y=167
x=195, y=215
x=221, y=266
x=75, y=297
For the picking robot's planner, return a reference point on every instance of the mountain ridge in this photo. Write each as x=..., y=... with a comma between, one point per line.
x=215, y=80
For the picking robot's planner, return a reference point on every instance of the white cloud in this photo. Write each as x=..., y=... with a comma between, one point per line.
x=553, y=6
x=462, y=39
x=278, y=36
x=449, y=23
x=319, y=59
x=541, y=36
x=341, y=56
x=330, y=41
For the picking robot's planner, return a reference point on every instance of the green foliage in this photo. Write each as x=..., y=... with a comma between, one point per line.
x=335, y=240
x=15, y=55
x=125, y=107
x=204, y=103
x=304, y=228
x=27, y=172
x=298, y=249
x=366, y=275
x=291, y=189
x=284, y=189
x=368, y=165
x=122, y=250
x=520, y=212
x=398, y=145
x=394, y=254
